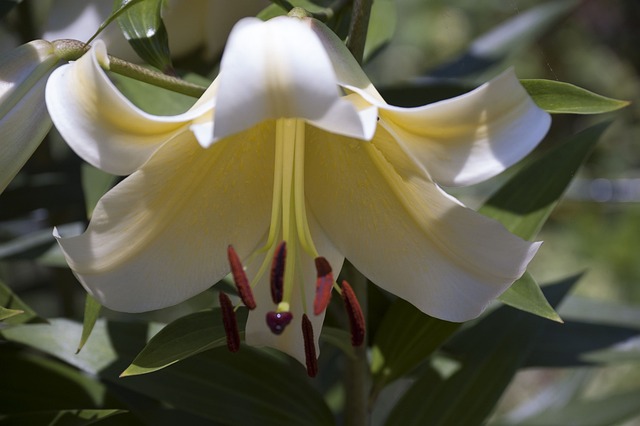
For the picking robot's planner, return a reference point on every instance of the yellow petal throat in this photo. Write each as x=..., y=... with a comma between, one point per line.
x=288, y=212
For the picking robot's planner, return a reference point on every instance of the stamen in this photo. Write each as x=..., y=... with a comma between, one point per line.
x=230, y=323
x=309, y=347
x=240, y=278
x=278, y=321
x=324, y=284
x=354, y=312
x=277, y=273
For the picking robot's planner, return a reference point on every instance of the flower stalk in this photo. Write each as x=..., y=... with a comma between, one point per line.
x=358, y=377
x=359, y=27
x=72, y=50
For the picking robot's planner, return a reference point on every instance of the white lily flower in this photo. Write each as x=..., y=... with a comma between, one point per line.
x=292, y=143
x=24, y=121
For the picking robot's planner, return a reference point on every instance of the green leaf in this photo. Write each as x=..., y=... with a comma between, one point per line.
x=405, y=337
x=118, y=11
x=91, y=312
x=7, y=5
x=274, y=10
x=557, y=97
x=338, y=338
x=8, y=313
x=604, y=411
x=179, y=340
x=249, y=387
x=382, y=25
x=490, y=352
x=626, y=351
x=578, y=343
x=60, y=339
x=585, y=309
x=152, y=99
x=596, y=331
x=35, y=244
x=142, y=26
x=511, y=36
x=525, y=202
x=63, y=417
x=28, y=246
x=32, y=382
x=10, y=302
x=95, y=183
x=526, y=295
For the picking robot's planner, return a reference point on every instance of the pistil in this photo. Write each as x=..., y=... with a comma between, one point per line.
x=278, y=321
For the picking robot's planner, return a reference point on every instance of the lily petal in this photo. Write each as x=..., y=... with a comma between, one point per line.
x=161, y=235
x=266, y=73
x=24, y=121
x=101, y=125
x=445, y=259
x=473, y=137
x=461, y=141
x=291, y=340
x=348, y=72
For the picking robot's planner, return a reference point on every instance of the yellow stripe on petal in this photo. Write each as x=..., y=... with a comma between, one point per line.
x=161, y=235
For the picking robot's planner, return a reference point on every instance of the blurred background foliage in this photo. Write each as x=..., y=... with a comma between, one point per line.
x=595, y=230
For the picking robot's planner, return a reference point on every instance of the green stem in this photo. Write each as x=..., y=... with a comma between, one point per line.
x=283, y=4
x=359, y=27
x=358, y=377
x=330, y=11
x=72, y=50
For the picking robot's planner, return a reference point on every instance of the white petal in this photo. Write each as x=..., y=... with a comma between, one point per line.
x=291, y=340
x=348, y=72
x=470, y=138
x=24, y=121
x=101, y=125
x=266, y=72
x=402, y=232
x=161, y=235
x=23, y=128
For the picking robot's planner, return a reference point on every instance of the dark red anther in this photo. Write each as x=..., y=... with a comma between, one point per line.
x=240, y=278
x=309, y=347
x=324, y=284
x=277, y=273
x=229, y=322
x=278, y=321
x=354, y=312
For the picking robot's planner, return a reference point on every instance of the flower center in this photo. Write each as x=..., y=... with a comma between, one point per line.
x=289, y=224
x=290, y=238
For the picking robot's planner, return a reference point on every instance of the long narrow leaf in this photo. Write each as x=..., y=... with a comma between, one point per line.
x=405, y=337
x=248, y=387
x=179, y=340
x=490, y=353
x=91, y=312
